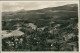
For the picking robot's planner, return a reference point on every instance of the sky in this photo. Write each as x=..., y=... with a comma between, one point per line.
x=15, y=6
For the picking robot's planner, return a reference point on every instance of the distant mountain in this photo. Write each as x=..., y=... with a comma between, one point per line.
x=44, y=16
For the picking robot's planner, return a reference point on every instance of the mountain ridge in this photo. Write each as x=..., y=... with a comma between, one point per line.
x=46, y=15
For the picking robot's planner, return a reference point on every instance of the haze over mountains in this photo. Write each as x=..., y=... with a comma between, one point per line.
x=44, y=16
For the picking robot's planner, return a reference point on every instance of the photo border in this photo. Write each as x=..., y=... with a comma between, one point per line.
x=39, y=51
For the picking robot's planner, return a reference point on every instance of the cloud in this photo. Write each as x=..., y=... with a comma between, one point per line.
x=14, y=6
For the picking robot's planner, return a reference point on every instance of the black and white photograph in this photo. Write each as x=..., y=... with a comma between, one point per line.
x=40, y=26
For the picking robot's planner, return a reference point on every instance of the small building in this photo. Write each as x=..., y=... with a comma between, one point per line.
x=32, y=26
x=12, y=33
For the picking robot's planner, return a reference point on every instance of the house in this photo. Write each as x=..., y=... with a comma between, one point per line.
x=12, y=33
x=32, y=26
x=68, y=36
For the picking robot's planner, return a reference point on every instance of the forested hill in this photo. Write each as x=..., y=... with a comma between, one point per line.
x=42, y=16
x=48, y=29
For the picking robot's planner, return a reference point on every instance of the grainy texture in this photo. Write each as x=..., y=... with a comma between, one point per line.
x=46, y=29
